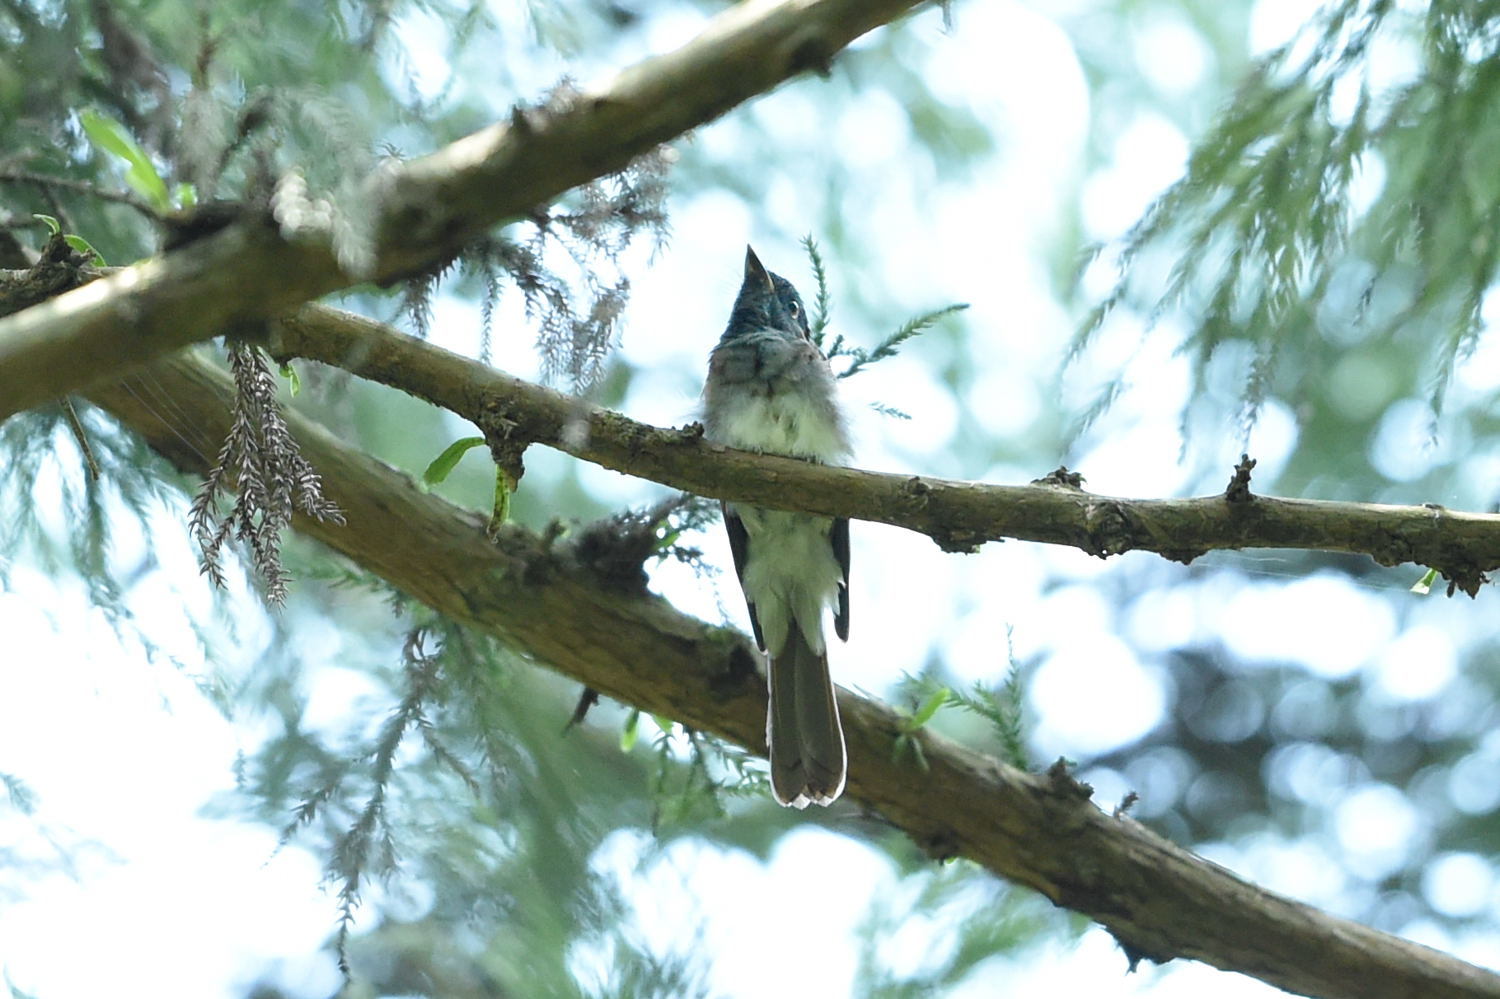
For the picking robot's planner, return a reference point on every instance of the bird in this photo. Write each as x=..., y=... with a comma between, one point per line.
x=770, y=389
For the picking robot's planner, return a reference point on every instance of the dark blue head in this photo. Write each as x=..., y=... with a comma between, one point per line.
x=766, y=301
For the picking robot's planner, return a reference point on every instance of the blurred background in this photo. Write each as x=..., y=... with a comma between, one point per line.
x=192, y=798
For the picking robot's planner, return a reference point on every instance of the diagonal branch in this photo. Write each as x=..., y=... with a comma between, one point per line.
x=1041, y=831
x=957, y=515
x=422, y=212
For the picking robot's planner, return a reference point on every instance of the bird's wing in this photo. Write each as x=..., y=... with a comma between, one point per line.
x=739, y=544
x=840, y=538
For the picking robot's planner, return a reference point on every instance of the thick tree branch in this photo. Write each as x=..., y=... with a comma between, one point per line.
x=422, y=212
x=957, y=515
x=1159, y=900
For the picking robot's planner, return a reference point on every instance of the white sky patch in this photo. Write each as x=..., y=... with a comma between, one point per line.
x=1403, y=448
x=1321, y=622
x=874, y=131
x=914, y=388
x=1137, y=460
x=784, y=907
x=1301, y=869
x=1276, y=22
x=1092, y=695
x=123, y=752
x=666, y=30
x=1163, y=618
x=1147, y=157
x=1377, y=827
x=1171, y=54
x=147, y=918
x=902, y=596
x=1095, y=966
x=1272, y=440
x=1481, y=372
x=1417, y=664
x=1460, y=885
x=425, y=39
x=1471, y=783
x=1004, y=402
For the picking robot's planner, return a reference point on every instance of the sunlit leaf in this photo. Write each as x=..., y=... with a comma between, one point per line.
x=111, y=137
x=444, y=463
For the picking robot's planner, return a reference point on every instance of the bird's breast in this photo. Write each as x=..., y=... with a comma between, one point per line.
x=769, y=392
x=781, y=423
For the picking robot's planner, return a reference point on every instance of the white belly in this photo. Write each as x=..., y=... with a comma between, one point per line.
x=780, y=424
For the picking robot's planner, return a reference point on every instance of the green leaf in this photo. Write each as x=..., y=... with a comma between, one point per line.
x=111, y=137
x=923, y=714
x=666, y=541
x=505, y=488
x=85, y=247
x=444, y=463
x=290, y=374
x=631, y=732
x=76, y=242
x=1423, y=586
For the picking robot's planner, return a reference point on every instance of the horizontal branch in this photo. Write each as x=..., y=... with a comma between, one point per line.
x=957, y=515
x=1041, y=831
x=423, y=211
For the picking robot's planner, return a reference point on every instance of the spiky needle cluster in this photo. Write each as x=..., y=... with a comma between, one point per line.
x=263, y=467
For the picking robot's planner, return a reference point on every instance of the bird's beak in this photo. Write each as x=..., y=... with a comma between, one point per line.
x=756, y=271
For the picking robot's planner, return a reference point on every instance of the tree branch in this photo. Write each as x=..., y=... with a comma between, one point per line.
x=1041, y=831
x=957, y=515
x=422, y=212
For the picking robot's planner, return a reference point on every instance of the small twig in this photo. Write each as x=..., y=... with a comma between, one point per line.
x=76, y=425
x=586, y=700
x=78, y=187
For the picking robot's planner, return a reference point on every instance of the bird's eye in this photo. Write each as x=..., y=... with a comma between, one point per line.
x=794, y=309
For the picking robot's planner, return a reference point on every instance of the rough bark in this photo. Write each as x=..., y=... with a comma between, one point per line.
x=1042, y=831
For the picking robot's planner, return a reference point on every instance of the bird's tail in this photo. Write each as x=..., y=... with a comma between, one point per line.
x=807, y=742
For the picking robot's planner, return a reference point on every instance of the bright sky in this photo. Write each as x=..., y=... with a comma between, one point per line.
x=121, y=784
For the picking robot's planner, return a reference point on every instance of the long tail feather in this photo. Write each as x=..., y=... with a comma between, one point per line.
x=808, y=760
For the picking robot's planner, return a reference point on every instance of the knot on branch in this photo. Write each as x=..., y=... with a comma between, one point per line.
x=1109, y=529
x=915, y=494
x=812, y=51
x=506, y=443
x=1136, y=952
x=958, y=541
x=616, y=548
x=60, y=268
x=1465, y=578
x=941, y=845
x=741, y=667
x=1238, y=490
x=1061, y=782
x=202, y=220
x=1061, y=478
